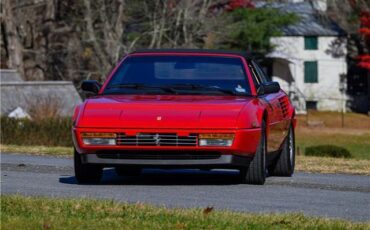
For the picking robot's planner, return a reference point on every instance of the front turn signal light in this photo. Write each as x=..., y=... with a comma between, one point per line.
x=216, y=139
x=98, y=135
x=99, y=138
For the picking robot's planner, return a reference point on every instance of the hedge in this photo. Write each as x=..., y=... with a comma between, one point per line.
x=327, y=151
x=47, y=132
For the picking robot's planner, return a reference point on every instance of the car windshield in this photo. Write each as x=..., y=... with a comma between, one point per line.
x=180, y=75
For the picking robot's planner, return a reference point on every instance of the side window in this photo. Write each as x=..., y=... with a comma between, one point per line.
x=258, y=75
x=260, y=72
x=256, y=79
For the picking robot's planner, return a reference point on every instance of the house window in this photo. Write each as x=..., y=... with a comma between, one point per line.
x=310, y=43
x=310, y=72
x=311, y=105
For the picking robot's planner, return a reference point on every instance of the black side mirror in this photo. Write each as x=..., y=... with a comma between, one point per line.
x=268, y=87
x=91, y=86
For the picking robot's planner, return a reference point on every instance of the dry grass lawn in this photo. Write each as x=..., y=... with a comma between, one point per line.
x=332, y=165
x=333, y=120
x=37, y=150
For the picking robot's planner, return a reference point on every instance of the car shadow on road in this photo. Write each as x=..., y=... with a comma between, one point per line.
x=167, y=177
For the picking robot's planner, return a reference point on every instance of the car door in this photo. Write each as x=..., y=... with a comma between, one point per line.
x=277, y=114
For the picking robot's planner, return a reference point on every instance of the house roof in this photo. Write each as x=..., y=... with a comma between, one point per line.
x=310, y=24
x=28, y=94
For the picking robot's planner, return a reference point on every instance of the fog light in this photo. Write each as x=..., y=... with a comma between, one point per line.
x=216, y=140
x=99, y=138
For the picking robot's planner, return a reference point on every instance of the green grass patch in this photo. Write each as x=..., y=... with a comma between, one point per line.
x=327, y=151
x=358, y=144
x=354, y=136
x=47, y=132
x=18, y=212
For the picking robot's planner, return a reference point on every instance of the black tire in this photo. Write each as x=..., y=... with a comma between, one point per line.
x=85, y=173
x=256, y=171
x=127, y=171
x=284, y=165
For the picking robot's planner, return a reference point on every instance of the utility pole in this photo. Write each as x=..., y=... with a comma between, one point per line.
x=342, y=89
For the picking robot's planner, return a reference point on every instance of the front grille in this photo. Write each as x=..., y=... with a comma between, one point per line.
x=162, y=155
x=156, y=139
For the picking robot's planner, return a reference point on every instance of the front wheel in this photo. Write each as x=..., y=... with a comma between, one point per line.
x=256, y=172
x=284, y=165
x=86, y=173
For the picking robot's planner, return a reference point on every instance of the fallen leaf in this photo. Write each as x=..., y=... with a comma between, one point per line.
x=46, y=225
x=180, y=226
x=207, y=210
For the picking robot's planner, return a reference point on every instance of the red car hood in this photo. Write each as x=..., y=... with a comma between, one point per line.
x=153, y=111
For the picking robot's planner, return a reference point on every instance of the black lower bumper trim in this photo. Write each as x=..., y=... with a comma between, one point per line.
x=161, y=155
x=222, y=160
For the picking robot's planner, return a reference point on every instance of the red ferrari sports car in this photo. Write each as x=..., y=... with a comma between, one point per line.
x=200, y=109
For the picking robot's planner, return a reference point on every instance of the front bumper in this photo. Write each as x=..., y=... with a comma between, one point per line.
x=221, y=161
x=245, y=141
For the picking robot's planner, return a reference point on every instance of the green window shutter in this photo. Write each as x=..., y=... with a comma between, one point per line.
x=310, y=72
x=310, y=43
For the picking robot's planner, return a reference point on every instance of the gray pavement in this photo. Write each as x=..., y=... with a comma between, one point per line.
x=324, y=195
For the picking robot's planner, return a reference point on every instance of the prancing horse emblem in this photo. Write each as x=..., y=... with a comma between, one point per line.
x=157, y=139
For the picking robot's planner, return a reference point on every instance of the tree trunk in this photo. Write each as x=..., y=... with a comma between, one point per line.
x=92, y=37
x=14, y=47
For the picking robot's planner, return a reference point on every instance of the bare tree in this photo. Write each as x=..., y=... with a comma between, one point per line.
x=14, y=48
x=105, y=26
x=178, y=23
x=75, y=40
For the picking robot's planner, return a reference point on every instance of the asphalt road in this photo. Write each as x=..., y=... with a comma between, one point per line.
x=338, y=196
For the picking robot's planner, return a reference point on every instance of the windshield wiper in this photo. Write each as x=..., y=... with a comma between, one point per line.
x=189, y=86
x=217, y=88
x=184, y=86
x=130, y=85
x=175, y=88
x=141, y=86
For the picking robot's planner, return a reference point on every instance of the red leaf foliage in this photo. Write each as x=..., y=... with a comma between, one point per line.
x=365, y=21
x=365, y=57
x=364, y=31
x=364, y=61
x=234, y=4
x=365, y=24
x=365, y=65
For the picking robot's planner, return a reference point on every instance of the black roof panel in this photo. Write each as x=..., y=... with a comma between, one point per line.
x=206, y=51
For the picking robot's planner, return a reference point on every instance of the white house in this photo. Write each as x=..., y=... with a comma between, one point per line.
x=309, y=59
